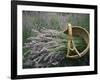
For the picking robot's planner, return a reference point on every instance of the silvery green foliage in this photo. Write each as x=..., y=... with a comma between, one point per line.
x=45, y=49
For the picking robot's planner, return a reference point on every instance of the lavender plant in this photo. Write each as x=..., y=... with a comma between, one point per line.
x=45, y=44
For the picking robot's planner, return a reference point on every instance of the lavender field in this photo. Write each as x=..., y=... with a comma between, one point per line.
x=45, y=43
